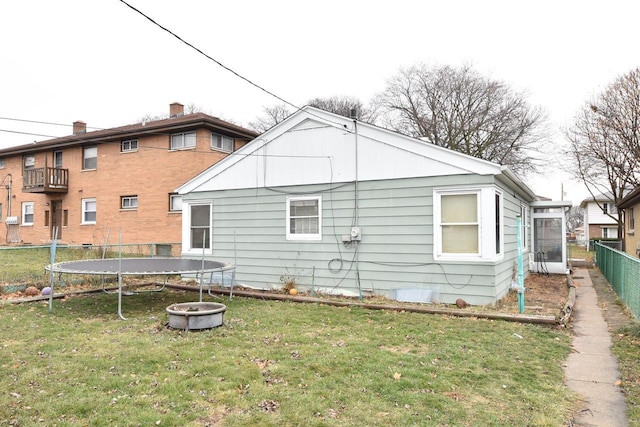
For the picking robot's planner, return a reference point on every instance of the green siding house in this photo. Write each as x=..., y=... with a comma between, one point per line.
x=339, y=206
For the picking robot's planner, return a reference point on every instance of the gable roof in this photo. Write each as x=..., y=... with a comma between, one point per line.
x=170, y=125
x=313, y=146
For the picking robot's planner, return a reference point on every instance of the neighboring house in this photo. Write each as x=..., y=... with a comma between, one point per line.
x=629, y=206
x=600, y=218
x=334, y=205
x=90, y=184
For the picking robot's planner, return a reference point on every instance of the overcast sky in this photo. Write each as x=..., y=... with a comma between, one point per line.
x=105, y=64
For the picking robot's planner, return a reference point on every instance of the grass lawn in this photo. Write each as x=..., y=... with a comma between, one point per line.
x=273, y=363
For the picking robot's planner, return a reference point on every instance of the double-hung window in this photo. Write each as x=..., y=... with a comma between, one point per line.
x=632, y=219
x=221, y=142
x=180, y=141
x=27, y=213
x=90, y=158
x=468, y=224
x=89, y=211
x=200, y=226
x=304, y=218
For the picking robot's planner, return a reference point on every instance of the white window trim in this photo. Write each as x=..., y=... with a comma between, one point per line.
x=24, y=213
x=186, y=227
x=307, y=237
x=486, y=224
x=84, y=157
x=129, y=143
x=524, y=215
x=173, y=197
x=183, y=139
x=131, y=199
x=84, y=210
x=214, y=146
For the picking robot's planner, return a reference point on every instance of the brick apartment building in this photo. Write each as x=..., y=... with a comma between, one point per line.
x=106, y=182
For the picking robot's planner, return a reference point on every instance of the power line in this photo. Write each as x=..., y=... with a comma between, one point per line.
x=210, y=57
x=28, y=133
x=42, y=123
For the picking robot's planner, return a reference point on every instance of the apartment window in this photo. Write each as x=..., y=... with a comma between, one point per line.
x=129, y=202
x=129, y=145
x=89, y=211
x=632, y=220
x=304, y=218
x=2, y=163
x=90, y=158
x=0, y=212
x=57, y=159
x=183, y=140
x=29, y=161
x=200, y=226
x=221, y=142
x=468, y=224
x=27, y=213
x=175, y=202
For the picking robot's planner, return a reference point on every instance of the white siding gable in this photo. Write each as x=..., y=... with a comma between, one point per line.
x=595, y=214
x=315, y=147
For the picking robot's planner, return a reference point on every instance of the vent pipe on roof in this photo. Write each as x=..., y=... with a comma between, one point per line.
x=79, y=127
x=354, y=113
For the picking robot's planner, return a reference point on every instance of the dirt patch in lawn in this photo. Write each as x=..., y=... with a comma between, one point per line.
x=545, y=294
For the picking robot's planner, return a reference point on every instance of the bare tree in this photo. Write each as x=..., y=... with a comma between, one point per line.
x=345, y=105
x=604, y=140
x=342, y=105
x=459, y=109
x=272, y=116
x=575, y=218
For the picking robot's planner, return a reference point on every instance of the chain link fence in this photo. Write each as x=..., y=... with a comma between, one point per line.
x=623, y=273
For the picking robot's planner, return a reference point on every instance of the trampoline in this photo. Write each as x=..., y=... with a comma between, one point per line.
x=120, y=267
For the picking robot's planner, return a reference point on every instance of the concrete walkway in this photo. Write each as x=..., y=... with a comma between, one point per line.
x=591, y=370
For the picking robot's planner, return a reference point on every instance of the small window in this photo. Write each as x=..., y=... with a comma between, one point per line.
x=0, y=212
x=46, y=218
x=27, y=213
x=175, y=202
x=200, y=224
x=65, y=217
x=183, y=140
x=304, y=218
x=129, y=145
x=90, y=158
x=632, y=220
x=29, y=161
x=524, y=215
x=89, y=211
x=3, y=163
x=129, y=202
x=221, y=142
x=57, y=159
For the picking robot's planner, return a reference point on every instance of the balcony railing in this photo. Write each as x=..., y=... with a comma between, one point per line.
x=45, y=180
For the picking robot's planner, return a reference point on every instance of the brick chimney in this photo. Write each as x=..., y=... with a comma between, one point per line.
x=176, y=109
x=79, y=127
